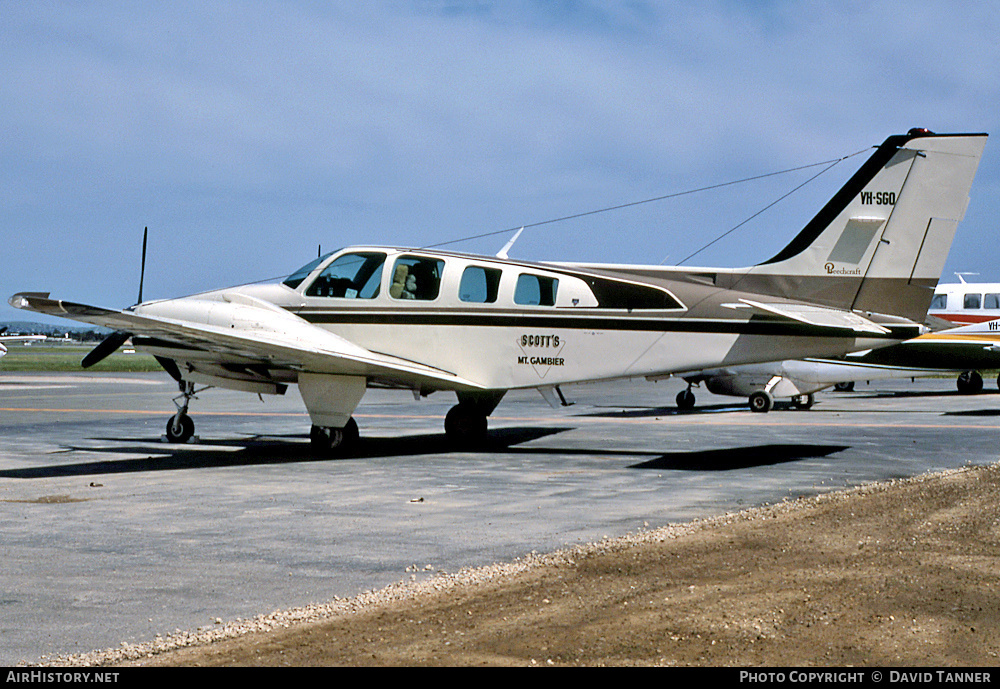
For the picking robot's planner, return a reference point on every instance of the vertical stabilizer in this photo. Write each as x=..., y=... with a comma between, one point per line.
x=880, y=243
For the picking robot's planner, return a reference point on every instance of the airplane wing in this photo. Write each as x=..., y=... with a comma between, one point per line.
x=251, y=330
x=819, y=316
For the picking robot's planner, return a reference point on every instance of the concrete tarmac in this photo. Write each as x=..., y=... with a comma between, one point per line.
x=111, y=535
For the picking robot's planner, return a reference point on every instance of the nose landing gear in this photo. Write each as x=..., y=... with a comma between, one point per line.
x=180, y=427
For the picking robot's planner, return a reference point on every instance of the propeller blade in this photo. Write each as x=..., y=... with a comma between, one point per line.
x=107, y=347
x=142, y=273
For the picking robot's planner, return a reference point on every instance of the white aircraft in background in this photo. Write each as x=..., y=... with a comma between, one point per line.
x=859, y=275
x=966, y=302
x=956, y=350
x=15, y=338
x=964, y=351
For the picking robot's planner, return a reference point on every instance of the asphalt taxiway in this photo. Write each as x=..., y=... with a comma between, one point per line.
x=111, y=535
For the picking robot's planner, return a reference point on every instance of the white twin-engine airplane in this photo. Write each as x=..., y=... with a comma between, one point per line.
x=859, y=275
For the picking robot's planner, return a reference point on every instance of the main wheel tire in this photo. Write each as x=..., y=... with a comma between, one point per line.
x=466, y=426
x=180, y=428
x=970, y=382
x=334, y=441
x=761, y=401
x=685, y=399
x=844, y=387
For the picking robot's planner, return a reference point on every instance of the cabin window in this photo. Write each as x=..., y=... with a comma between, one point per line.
x=351, y=276
x=479, y=285
x=972, y=301
x=940, y=301
x=415, y=277
x=535, y=290
x=991, y=301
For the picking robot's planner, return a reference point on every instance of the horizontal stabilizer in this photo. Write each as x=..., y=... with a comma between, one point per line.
x=819, y=316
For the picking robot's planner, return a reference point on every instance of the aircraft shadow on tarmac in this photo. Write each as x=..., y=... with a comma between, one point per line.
x=271, y=449
x=730, y=459
x=973, y=412
x=260, y=450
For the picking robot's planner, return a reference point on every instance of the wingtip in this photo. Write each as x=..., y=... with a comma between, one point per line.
x=22, y=300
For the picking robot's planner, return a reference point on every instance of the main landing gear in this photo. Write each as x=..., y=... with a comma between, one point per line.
x=685, y=399
x=971, y=382
x=466, y=424
x=334, y=441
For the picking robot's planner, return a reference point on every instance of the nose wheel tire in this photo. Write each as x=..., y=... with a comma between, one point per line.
x=180, y=428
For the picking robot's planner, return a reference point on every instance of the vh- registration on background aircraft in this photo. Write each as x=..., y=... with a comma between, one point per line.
x=859, y=275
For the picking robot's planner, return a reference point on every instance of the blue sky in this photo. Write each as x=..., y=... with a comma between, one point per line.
x=245, y=135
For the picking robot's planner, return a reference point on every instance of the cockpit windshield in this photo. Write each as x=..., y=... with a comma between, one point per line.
x=296, y=278
x=350, y=276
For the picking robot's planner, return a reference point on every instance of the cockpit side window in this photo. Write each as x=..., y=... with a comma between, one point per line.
x=939, y=301
x=416, y=277
x=535, y=290
x=351, y=276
